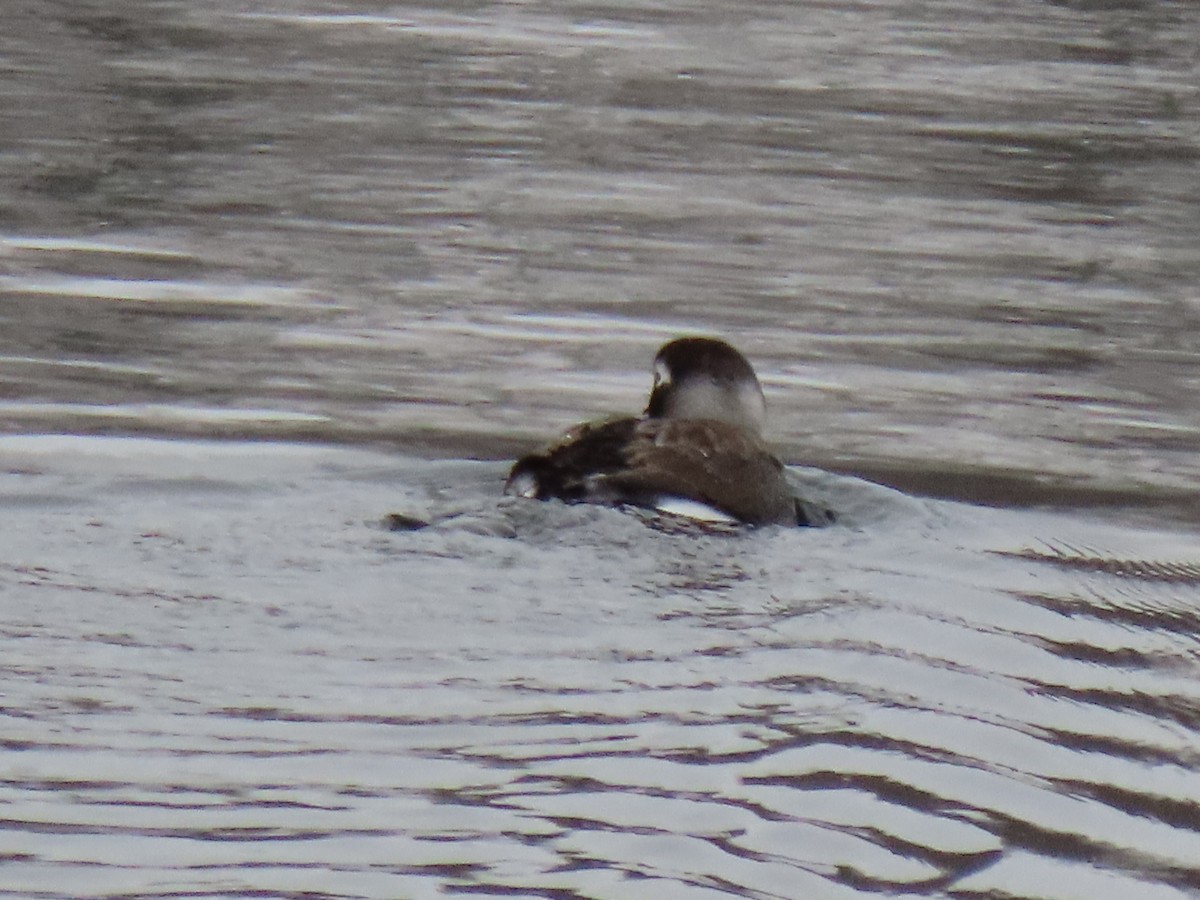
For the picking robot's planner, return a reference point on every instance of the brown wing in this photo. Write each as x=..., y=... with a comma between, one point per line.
x=567, y=469
x=708, y=461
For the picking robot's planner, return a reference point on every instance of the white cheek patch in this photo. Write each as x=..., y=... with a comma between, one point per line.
x=751, y=398
x=662, y=373
x=691, y=509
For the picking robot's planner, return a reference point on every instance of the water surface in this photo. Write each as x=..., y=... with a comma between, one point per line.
x=222, y=678
x=957, y=239
x=271, y=271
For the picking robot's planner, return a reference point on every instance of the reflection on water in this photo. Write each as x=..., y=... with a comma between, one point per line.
x=958, y=242
x=220, y=678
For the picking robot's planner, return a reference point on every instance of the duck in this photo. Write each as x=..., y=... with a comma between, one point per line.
x=696, y=451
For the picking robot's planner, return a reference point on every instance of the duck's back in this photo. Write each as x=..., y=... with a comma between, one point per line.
x=563, y=470
x=651, y=461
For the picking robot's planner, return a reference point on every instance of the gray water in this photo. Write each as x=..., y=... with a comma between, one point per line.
x=271, y=271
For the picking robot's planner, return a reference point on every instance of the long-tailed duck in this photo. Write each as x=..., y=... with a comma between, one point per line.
x=697, y=450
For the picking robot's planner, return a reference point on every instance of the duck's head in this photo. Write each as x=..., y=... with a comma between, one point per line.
x=704, y=378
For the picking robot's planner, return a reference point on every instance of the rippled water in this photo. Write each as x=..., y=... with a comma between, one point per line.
x=222, y=678
x=321, y=256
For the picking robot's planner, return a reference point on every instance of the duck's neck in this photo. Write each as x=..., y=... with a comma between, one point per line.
x=741, y=405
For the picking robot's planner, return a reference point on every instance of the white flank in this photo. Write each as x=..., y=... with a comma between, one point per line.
x=692, y=509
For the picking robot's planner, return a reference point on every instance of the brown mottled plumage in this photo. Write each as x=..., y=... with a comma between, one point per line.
x=699, y=440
